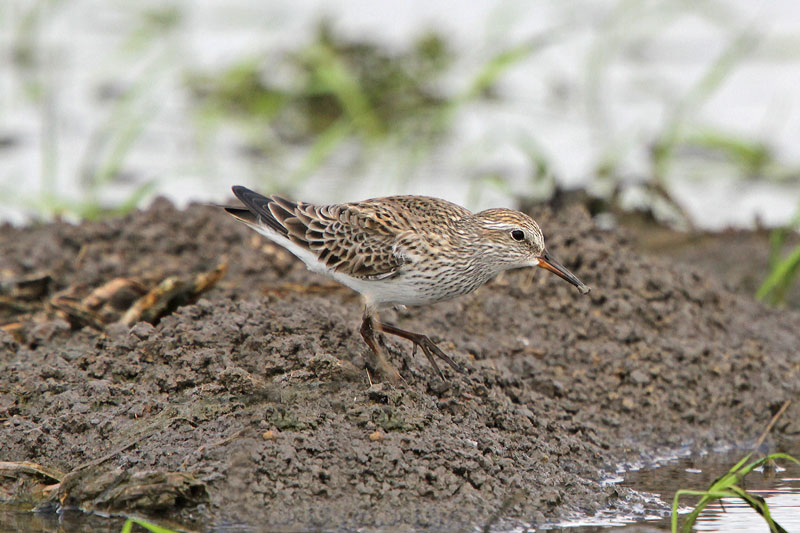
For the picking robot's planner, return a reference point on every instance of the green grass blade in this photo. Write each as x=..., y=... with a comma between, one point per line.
x=706, y=498
x=135, y=198
x=759, y=505
x=718, y=71
x=776, y=239
x=336, y=77
x=780, y=278
x=112, y=141
x=325, y=144
x=743, y=471
x=129, y=131
x=750, y=156
x=726, y=486
x=498, y=65
x=781, y=455
x=735, y=468
x=145, y=524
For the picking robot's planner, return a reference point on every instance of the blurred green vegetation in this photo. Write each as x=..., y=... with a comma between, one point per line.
x=301, y=107
x=109, y=144
x=334, y=91
x=783, y=270
x=331, y=80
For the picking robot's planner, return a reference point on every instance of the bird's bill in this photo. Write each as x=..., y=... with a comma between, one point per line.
x=547, y=262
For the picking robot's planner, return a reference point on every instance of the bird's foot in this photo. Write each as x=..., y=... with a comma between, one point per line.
x=369, y=328
x=375, y=342
x=427, y=346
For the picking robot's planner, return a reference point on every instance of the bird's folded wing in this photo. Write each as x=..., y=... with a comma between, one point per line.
x=347, y=240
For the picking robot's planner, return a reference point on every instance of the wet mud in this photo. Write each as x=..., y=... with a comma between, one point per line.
x=257, y=404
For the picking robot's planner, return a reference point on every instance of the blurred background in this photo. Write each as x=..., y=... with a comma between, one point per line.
x=689, y=110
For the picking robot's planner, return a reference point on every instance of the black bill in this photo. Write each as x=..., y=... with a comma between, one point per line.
x=548, y=263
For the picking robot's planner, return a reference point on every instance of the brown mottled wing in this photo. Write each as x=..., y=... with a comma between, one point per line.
x=354, y=239
x=349, y=239
x=375, y=238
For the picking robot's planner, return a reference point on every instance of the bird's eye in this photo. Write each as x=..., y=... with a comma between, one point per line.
x=518, y=235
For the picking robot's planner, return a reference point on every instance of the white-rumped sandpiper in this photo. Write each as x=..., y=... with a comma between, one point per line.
x=401, y=250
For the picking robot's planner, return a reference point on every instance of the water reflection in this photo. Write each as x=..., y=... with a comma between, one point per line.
x=781, y=490
x=30, y=522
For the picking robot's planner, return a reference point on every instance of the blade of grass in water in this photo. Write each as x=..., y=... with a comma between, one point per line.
x=128, y=526
x=727, y=486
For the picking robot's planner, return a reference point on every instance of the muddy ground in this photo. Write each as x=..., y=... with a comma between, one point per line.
x=258, y=392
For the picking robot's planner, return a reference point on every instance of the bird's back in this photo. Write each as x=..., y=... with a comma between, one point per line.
x=411, y=213
x=368, y=240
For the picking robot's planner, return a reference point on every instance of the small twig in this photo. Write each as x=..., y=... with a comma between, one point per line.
x=775, y=418
x=369, y=378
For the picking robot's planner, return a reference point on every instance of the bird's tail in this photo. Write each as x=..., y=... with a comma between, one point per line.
x=270, y=211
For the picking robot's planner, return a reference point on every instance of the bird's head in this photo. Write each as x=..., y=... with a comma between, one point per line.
x=512, y=240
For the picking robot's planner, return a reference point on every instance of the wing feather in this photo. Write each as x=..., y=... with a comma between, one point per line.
x=360, y=240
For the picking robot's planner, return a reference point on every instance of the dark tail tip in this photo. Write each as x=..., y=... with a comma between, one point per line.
x=239, y=191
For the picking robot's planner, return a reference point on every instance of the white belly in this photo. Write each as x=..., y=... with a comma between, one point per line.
x=387, y=291
x=407, y=289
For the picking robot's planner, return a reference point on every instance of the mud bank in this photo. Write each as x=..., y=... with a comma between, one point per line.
x=259, y=393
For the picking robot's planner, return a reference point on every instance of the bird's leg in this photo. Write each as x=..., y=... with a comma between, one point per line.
x=428, y=346
x=388, y=349
x=368, y=334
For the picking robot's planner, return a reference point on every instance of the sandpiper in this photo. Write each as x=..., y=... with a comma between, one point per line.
x=401, y=250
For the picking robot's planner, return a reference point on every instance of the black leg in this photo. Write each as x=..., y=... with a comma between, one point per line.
x=368, y=334
x=428, y=346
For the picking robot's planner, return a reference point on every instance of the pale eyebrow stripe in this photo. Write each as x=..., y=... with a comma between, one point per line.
x=501, y=226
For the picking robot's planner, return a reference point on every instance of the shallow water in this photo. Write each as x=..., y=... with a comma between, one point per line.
x=29, y=522
x=780, y=489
